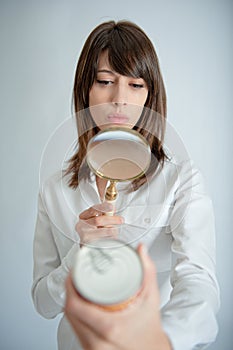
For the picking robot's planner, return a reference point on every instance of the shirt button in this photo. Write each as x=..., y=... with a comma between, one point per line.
x=147, y=220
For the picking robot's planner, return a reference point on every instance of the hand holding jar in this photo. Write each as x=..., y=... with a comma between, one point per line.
x=135, y=327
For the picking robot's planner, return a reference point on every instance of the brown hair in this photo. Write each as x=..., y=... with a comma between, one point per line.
x=130, y=53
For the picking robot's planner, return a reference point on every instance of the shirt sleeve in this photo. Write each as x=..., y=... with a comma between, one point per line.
x=49, y=273
x=189, y=318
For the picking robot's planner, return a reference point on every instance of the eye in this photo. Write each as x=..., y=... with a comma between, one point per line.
x=104, y=82
x=137, y=86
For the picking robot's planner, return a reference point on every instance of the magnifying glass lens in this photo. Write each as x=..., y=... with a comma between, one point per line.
x=118, y=154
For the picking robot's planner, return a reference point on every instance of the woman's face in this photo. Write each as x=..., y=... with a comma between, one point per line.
x=114, y=99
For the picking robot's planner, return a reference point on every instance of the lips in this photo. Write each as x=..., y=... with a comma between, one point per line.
x=118, y=118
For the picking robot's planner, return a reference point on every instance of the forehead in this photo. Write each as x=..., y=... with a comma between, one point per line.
x=123, y=63
x=103, y=60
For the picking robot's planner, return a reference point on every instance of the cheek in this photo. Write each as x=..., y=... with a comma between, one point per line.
x=140, y=98
x=92, y=99
x=144, y=97
x=97, y=96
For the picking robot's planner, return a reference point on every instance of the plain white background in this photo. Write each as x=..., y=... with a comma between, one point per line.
x=40, y=44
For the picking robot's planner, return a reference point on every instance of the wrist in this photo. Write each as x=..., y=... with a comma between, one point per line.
x=162, y=341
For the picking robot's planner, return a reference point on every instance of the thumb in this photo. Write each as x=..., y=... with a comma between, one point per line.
x=149, y=281
x=148, y=265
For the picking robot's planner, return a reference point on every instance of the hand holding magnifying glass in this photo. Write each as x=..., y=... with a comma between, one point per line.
x=118, y=154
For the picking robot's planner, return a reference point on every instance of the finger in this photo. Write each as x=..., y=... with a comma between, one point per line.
x=87, y=337
x=100, y=233
x=149, y=280
x=89, y=213
x=75, y=306
x=71, y=297
x=96, y=210
x=104, y=220
x=79, y=310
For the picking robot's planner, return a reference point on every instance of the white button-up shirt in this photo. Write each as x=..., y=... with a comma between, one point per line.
x=171, y=214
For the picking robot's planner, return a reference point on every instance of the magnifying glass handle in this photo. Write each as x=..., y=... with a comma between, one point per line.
x=111, y=195
x=111, y=192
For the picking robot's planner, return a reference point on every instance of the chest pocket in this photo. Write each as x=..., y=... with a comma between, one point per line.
x=149, y=225
x=147, y=216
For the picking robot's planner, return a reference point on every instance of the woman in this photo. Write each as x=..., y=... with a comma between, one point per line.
x=118, y=82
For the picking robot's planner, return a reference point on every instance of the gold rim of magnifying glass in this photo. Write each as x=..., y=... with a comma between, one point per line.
x=124, y=129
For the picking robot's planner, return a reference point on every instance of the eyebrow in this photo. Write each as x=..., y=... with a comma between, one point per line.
x=112, y=72
x=105, y=71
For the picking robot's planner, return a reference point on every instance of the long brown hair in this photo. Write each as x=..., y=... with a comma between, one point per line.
x=130, y=53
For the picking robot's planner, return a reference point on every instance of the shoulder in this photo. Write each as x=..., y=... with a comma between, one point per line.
x=181, y=175
x=55, y=185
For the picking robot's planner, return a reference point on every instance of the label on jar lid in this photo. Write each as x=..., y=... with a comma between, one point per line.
x=107, y=272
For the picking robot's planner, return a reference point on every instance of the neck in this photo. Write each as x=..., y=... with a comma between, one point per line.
x=101, y=186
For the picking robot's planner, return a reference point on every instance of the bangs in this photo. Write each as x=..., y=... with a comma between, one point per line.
x=126, y=55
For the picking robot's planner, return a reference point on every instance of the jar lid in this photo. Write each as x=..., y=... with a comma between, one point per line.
x=107, y=272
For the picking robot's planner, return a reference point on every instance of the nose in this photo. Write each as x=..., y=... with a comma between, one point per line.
x=119, y=96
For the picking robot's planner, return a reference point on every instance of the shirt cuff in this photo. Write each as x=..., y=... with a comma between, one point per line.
x=56, y=279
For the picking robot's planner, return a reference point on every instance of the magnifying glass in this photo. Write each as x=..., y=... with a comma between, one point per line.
x=118, y=154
